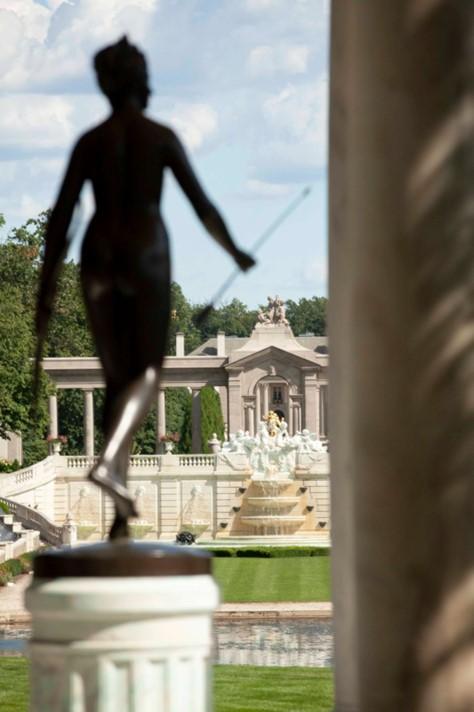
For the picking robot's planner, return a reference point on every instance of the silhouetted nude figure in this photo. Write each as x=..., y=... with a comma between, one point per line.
x=125, y=269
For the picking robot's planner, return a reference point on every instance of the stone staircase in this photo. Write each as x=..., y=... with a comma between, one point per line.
x=15, y=539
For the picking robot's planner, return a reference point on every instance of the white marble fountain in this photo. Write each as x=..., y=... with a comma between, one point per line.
x=274, y=503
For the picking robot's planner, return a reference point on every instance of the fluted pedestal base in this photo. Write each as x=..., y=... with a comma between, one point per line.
x=121, y=644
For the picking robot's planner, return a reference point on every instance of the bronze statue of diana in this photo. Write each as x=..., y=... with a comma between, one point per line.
x=125, y=269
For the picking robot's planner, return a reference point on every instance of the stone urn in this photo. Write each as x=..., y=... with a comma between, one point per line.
x=57, y=446
x=169, y=446
x=214, y=444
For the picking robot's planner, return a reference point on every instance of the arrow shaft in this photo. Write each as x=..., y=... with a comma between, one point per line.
x=267, y=233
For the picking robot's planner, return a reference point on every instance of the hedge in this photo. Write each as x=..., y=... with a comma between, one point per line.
x=14, y=567
x=269, y=552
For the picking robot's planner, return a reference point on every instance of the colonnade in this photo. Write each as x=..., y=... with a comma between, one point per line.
x=254, y=408
x=89, y=426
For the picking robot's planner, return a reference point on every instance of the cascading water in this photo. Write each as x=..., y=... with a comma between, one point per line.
x=273, y=504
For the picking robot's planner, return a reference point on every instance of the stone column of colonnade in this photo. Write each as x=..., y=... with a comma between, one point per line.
x=196, y=420
x=160, y=417
x=53, y=415
x=89, y=422
x=401, y=328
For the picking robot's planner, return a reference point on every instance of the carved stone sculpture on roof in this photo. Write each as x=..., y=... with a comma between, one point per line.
x=275, y=313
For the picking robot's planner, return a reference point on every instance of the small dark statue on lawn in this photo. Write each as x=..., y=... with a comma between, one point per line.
x=125, y=268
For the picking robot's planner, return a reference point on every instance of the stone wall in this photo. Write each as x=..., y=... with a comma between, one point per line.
x=173, y=492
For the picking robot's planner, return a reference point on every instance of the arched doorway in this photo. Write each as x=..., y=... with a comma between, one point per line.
x=270, y=393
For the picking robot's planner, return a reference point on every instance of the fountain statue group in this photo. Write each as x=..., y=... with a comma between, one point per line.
x=272, y=451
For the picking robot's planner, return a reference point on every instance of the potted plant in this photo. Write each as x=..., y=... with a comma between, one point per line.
x=169, y=440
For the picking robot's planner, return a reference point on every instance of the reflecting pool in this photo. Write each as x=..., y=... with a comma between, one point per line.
x=277, y=642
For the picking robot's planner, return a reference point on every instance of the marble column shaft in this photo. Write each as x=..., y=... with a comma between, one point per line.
x=401, y=397
x=53, y=415
x=266, y=407
x=317, y=428
x=160, y=417
x=196, y=420
x=89, y=422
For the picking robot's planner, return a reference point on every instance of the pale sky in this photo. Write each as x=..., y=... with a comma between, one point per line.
x=243, y=82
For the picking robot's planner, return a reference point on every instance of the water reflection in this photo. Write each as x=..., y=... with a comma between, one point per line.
x=276, y=643
x=13, y=640
x=280, y=643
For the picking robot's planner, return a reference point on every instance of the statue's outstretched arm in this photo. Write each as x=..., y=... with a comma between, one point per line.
x=206, y=211
x=56, y=240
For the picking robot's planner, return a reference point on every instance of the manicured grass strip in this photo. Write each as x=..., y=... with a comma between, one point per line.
x=237, y=688
x=246, y=688
x=287, y=579
x=267, y=552
x=14, y=684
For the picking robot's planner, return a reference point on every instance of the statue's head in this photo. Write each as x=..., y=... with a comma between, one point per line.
x=122, y=73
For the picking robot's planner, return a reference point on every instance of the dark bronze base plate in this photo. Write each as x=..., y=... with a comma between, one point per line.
x=122, y=557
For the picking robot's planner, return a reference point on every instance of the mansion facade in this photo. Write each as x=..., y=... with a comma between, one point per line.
x=271, y=370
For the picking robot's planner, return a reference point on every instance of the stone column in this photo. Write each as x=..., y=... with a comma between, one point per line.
x=401, y=404
x=310, y=399
x=89, y=422
x=266, y=406
x=235, y=403
x=53, y=415
x=160, y=417
x=196, y=420
x=252, y=420
x=258, y=405
x=224, y=403
x=317, y=427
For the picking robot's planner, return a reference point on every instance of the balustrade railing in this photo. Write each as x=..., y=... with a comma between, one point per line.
x=32, y=519
x=197, y=460
x=83, y=462
x=13, y=483
x=145, y=461
x=80, y=462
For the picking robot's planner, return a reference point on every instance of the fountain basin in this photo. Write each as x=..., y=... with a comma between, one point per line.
x=274, y=502
x=275, y=520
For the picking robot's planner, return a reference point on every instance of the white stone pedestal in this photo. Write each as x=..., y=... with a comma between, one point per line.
x=124, y=644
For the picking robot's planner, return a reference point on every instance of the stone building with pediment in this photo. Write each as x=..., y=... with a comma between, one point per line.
x=271, y=370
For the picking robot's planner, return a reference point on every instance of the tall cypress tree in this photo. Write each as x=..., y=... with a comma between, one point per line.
x=211, y=416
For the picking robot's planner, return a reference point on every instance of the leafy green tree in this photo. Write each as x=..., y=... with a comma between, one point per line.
x=69, y=333
x=234, y=318
x=16, y=346
x=211, y=416
x=20, y=256
x=181, y=320
x=19, y=259
x=307, y=315
x=178, y=409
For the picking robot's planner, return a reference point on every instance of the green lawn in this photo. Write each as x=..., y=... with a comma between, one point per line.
x=243, y=688
x=236, y=688
x=279, y=579
x=14, y=686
